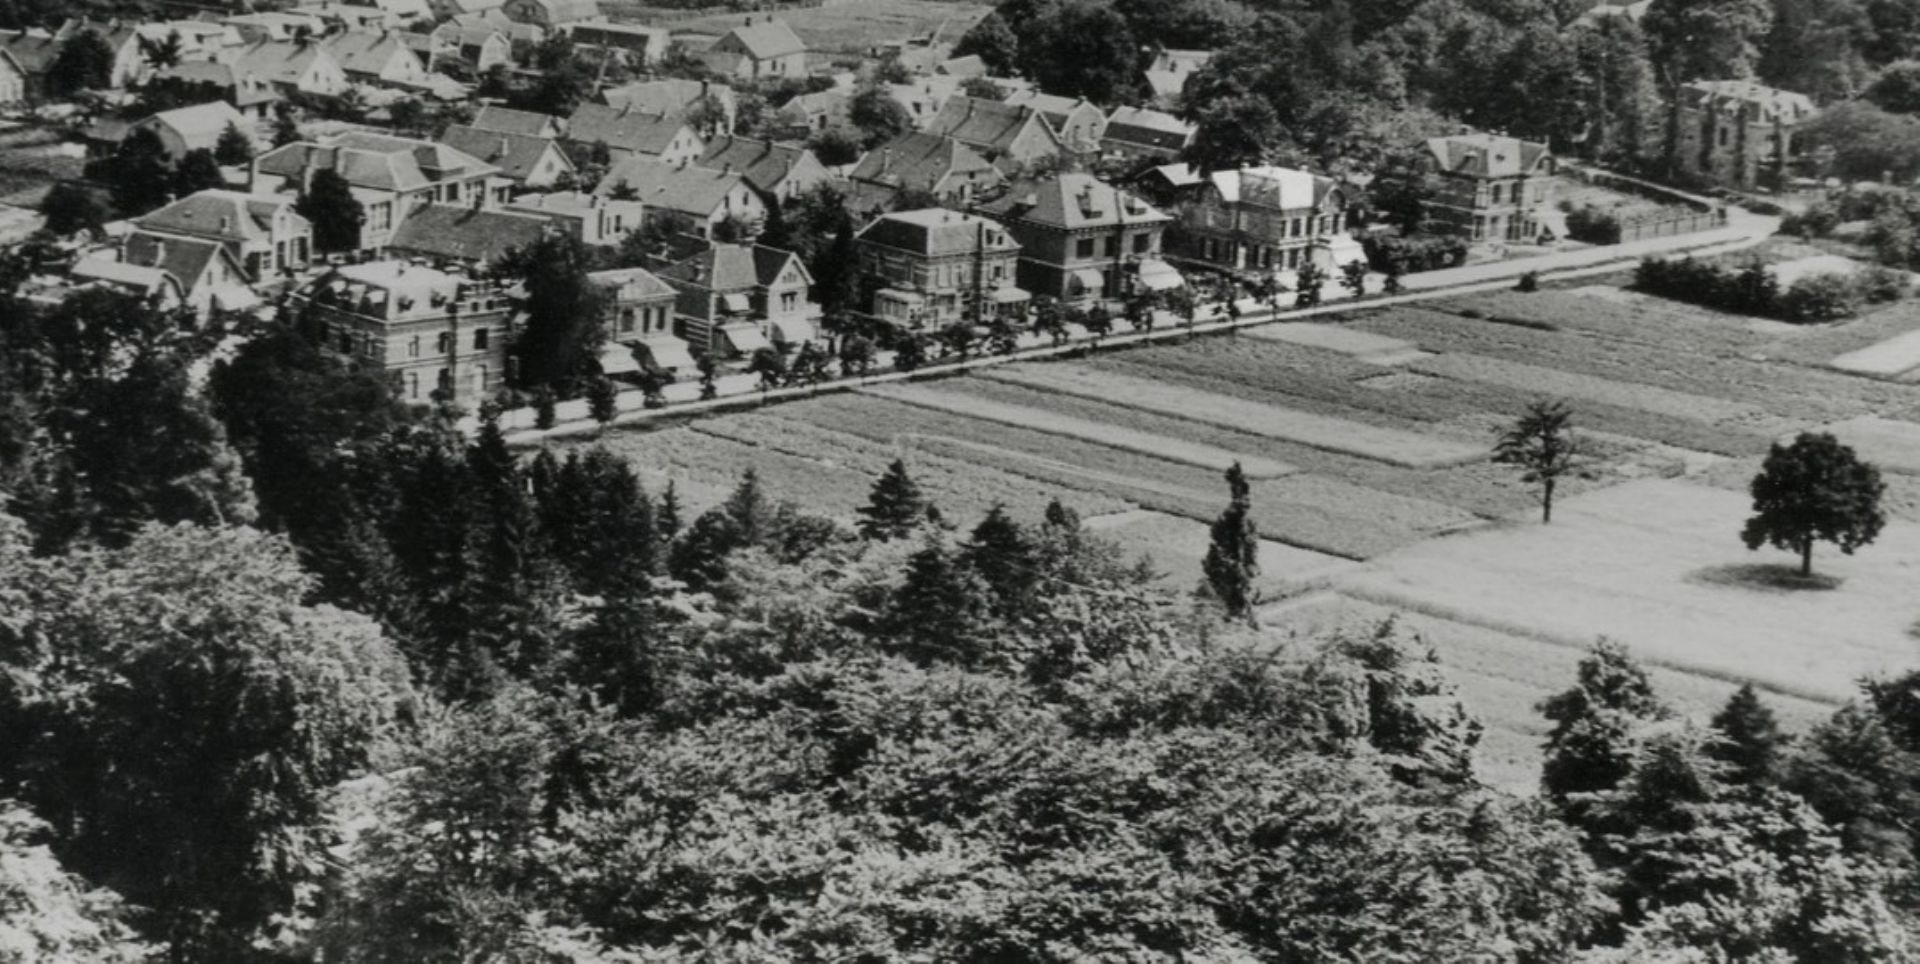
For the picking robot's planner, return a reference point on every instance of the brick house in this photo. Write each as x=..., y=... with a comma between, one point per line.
x=1737, y=133
x=430, y=331
x=1264, y=221
x=935, y=267
x=1488, y=187
x=390, y=176
x=1084, y=240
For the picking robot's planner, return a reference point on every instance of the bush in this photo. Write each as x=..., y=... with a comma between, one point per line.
x=1820, y=297
x=1528, y=282
x=1752, y=290
x=1593, y=225
x=1393, y=254
x=1879, y=285
x=1817, y=221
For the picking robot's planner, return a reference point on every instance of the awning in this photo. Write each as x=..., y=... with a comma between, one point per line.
x=1159, y=276
x=744, y=339
x=617, y=359
x=792, y=331
x=666, y=351
x=737, y=303
x=1008, y=295
x=1091, y=280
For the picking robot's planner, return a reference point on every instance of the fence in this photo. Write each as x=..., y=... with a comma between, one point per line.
x=1639, y=229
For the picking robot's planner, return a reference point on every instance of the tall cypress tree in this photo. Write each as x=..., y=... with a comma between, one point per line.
x=747, y=510
x=1232, y=562
x=894, y=507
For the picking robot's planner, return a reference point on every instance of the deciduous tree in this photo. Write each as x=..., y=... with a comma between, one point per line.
x=1542, y=445
x=1815, y=490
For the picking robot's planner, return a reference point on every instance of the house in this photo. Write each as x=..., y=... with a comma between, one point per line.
x=1267, y=220
x=643, y=46
x=809, y=114
x=293, y=67
x=1079, y=122
x=390, y=176
x=275, y=25
x=1012, y=136
x=684, y=198
x=376, y=57
x=264, y=234
x=526, y=160
x=1167, y=74
x=336, y=17
x=775, y=170
x=924, y=98
x=632, y=133
x=28, y=55
x=548, y=14
x=104, y=269
x=436, y=334
x=457, y=234
x=123, y=39
x=250, y=94
x=1142, y=134
x=941, y=166
x=523, y=36
x=758, y=49
x=962, y=67
x=681, y=97
x=475, y=46
x=1737, y=133
x=1609, y=9
x=935, y=267
x=640, y=323
x=1488, y=187
x=1081, y=239
x=506, y=120
x=198, y=40
x=592, y=219
x=209, y=276
x=193, y=128
x=402, y=12
x=733, y=299
x=444, y=10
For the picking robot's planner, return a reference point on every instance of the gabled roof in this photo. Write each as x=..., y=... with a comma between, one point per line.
x=1148, y=128
x=509, y=121
x=459, y=233
x=375, y=161
x=988, y=124
x=366, y=51
x=1053, y=107
x=403, y=8
x=768, y=37
x=1486, y=155
x=969, y=66
x=936, y=232
x=245, y=90
x=279, y=61
x=226, y=215
x=1771, y=103
x=624, y=129
x=676, y=187
x=768, y=263
x=720, y=267
x=1073, y=201
x=632, y=284
x=117, y=33
x=918, y=159
x=200, y=125
x=763, y=163
x=1277, y=188
x=666, y=96
x=33, y=50
x=101, y=267
x=568, y=11
x=186, y=259
x=514, y=154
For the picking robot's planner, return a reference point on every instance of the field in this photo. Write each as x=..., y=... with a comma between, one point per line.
x=852, y=27
x=32, y=160
x=1368, y=438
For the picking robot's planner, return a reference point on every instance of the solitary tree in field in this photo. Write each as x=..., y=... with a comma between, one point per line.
x=894, y=508
x=1814, y=490
x=1542, y=444
x=1232, y=561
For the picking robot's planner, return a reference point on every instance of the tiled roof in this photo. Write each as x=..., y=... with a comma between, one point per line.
x=245, y=90
x=1148, y=128
x=202, y=124
x=768, y=37
x=510, y=121
x=969, y=66
x=987, y=124
x=1278, y=188
x=1486, y=155
x=721, y=267
x=763, y=163
x=935, y=232
x=33, y=50
x=280, y=61
x=676, y=187
x=514, y=154
x=769, y=262
x=375, y=161
x=365, y=51
x=634, y=284
x=186, y=259
x=917, y=159
x=623, y=129
x=1072, y=201
x=226, y=215
x=98, y=267
x=1772, y=103
x=459, y=233
x=667, y=96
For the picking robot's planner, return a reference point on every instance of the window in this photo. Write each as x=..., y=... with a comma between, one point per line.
x=1295, y=230
x=443, y=343
x=413, y=347
x=789, y=300
x=1083, y=248
x=380, y=216
x=1141, y=242
x=481, y=338
x=482, y=377
x=413, y=384
x=445, y=380
x=1496, y=194
x=626, y=321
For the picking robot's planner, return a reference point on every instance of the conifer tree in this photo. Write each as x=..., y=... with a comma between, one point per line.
x=511, y=586
x=1061, y=517
x=941, y=613
x=668, y=517
x=894, y=506
x=336, y=214
x=1751, y=740
x=233, y=147
x=1006, y=560
x=603, y=400
x=1232, y=562
x=747, y=510
x=774, y=231
x=1590, y=747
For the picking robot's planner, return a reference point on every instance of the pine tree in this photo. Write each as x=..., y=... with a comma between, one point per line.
x=1590, y=748
x=1232, y=562
x=1006, y=560
x=140, y=178
x=774, y=231
x=511, y=587
x=894, y=506
x=941, y=613
x=1751, y=738
x=747, y=510
x=233, y=147
x=669, y=515
x=1059, y=516
x=603, y=400
x=197, y=171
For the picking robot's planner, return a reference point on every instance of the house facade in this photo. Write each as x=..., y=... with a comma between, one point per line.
x=949, y=170
x=1079, y=122
x=293, y=67
x=935, y=267
x=548, y=14
x=631, y=133
x=265, y=235
x=206, y=271
x=589, y=218
x=389, y=176
x=1266, y=220
x=435, y=334
x=776, y=170
x=761, y=48
x=643, y=46
x=1488, y=187
x=683, y=198
x=682, y=97
x=251, y=95
x=733, y=299
x=1083, y=240
x=377, y=57
x=1737, y=133
x=640, y=324
x=194, y=128
x=530, y=162
x=1145, y=135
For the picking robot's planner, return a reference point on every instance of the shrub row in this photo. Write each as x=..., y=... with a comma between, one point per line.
x=1392, y=254
x=1754, y=289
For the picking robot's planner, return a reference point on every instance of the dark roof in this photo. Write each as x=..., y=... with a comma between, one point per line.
x=769, y=262
x=1486, y=155
x=770, y=37
x=229, y=215
x=987, y=124
x=917, y=159
x=510, y=121
x=464, y=234
x=1073, y=201
x=32, y=50
x=624, y=129
x=721, y=267
x=763, y=163
x=514, y=154
x=934, y=232
x=632, y=284
x=675, y=187
x=1148, y=128
x=186, y=259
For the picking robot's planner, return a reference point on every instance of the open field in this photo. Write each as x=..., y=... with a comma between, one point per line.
x=1369, y=438
x=853, y=27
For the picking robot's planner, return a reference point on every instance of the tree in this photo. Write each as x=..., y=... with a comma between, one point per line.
x=337, y=216
x=981, y=88
x=196, y=172
x=770, y=365
x=877, y=116
x=895, y=508
x=1696, y=39
x=1542, y=445
x=1079, y=48
x=52, y=913
x=836, y=145
x=1815, y=490
x=1591, y=745
x=234, y=146
x=836, y=275
x=1751, y=740
x=70, y=208
x=1307, y=284
x=286, y=130
x=139, y=177
x=84, y=62
x=566, y=312
x=910, y=352
x=942, y=611
x=1232, y=562
x=994, y=42
x=162, y=53
x=603, y=400
x=1353, y=277
x=856, y=355
x=1897, y=89
x=1006, y=561
x=1235, y=132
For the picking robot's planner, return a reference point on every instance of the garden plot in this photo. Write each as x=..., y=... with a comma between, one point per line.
x=1369, y=348
x=1658, y=566
x=1392, y=446
x=1791, y=271
x=1054, y=423
x=1893, y=446
x=1176, y=547
x=1549, y=383
x=1891, y=357
x=1614, y=312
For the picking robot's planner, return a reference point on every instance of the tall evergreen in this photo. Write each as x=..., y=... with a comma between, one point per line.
x=1232, y=562
x=1751, y=738
x=668, y=518
x=511, y=587
x=941, y=613
x=1595, y=723
x=1007, y=561
x=894, y=506
x=747, y=510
